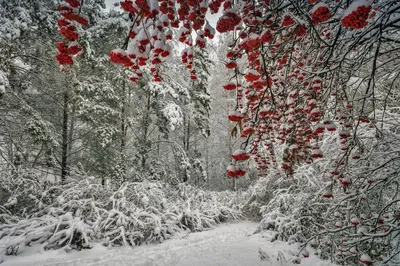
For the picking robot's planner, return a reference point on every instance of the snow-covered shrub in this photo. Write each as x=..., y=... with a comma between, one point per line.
x=82, y=211
x=258, y=195
x=347, y=206
x=287, y=205
x=363, y=219
x=21, y=193
x=205, y=209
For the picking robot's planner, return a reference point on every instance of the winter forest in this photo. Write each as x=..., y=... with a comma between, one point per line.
x=188, y=132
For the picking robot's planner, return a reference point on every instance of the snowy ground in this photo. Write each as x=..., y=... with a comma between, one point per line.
x=229, y=244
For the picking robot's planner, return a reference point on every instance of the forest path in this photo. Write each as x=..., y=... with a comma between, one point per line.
x=231, y=244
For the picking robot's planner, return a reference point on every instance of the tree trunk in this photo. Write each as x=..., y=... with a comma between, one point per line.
x=64, y=146
x=207, y=164
x=71, y=129
x=184, y=131
x=158, y=146
x=123, y=133
x=188, y=133
x=146, y=125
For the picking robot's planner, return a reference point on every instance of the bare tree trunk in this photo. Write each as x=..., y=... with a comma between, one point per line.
x=188, y=133
x=123, y=132
x=158, y=145
x=184, y=131
x=208, y=164
x=146, y=129
x=71, y=129
x=64, y=145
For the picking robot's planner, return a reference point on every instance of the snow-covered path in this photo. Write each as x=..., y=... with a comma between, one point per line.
x=229, y=244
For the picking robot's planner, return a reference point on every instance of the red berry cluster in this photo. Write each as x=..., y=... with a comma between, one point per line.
x=252, y=75
x=316, y=153
x=301, y=30
x=119, y=56
x=228, y=21
x=127, y=5
x=240, y=155
x=321, y=14
x=75, y=17
x=138, y=6
x=252, y=95
x=261, y=84
x=215, y=5
x=227, y=4
x=71, y=14
x=149, y=44
x=73, y=3
x=234, y=171
x=187, y=60
x=247, y=131
x=69, y=32
x=72, y=48
x=287, y=21
x=250, y=43
x=267, y=37
x=230, y=87
x=235, y=116
x=231, y=65
x=66, y=27
x=357, y=19
x=64, y=59
x=167, y=7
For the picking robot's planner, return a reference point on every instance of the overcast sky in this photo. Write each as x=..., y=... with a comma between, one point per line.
x=110, y=3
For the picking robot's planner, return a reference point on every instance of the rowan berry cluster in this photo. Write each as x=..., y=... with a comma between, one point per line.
x=357, y=19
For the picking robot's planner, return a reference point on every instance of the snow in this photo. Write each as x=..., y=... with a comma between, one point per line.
x=173, y=113
x=365, y=258
x=353, y=6
x=228, y=244
x=318, y=6
x=3, y=79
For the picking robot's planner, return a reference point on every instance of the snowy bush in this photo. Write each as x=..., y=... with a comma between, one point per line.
x=21, y=194
x=82, y=211
x=345, y=208
x=286, y=205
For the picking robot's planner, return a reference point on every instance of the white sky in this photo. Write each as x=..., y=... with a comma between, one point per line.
x=110, y=3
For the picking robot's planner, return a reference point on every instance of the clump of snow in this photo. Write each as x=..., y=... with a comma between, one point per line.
x=318, y=6
x=353, y=6
x=4, y=83
x=3, y=79
x=173, y=113
x=20, y=65
x=12, y=27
